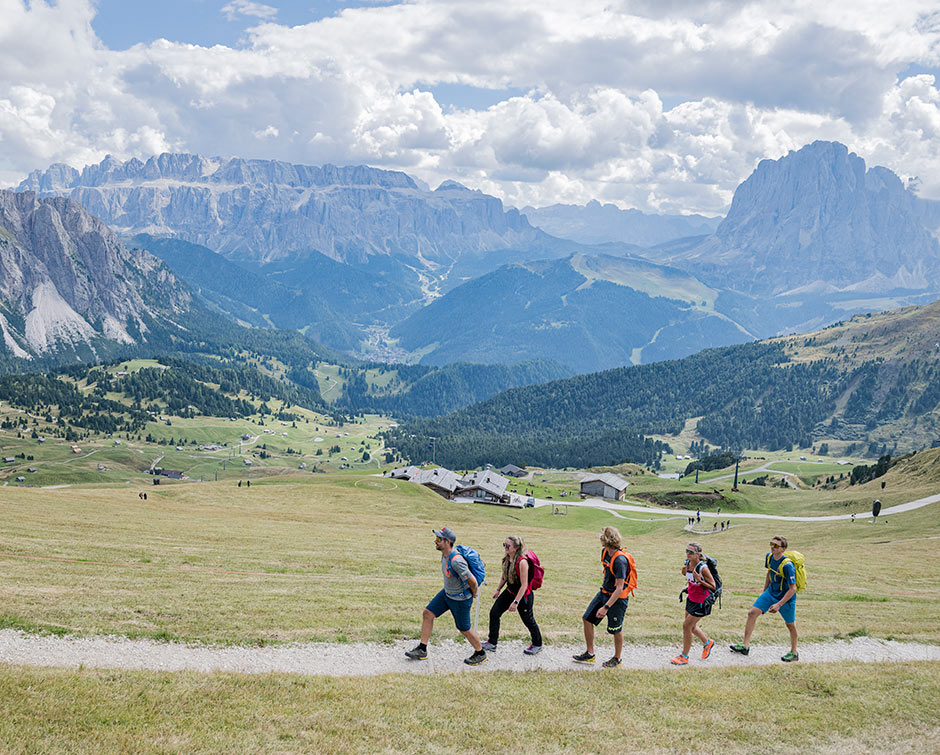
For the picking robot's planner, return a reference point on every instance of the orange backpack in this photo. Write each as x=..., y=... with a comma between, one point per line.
x=629, y=584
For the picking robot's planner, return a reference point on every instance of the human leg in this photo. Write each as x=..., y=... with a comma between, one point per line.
x=527, y=614
x=500, y=606
x=753, y=614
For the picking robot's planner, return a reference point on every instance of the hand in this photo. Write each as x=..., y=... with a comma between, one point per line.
x=495, y=595
x=602, y=612
x=512, y=606
x=774, y=608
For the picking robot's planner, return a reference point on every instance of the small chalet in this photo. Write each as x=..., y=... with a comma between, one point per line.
x=403, y=473
x=606, y=485
x=441, y=481
x=511, y=470
x=486, y=487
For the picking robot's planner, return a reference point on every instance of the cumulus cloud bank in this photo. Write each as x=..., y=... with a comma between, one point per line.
x=661, y=106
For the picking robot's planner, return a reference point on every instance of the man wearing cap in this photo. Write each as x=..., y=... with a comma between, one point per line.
x=460, y=588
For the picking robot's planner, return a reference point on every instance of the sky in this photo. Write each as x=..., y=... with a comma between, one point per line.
x=658, y=105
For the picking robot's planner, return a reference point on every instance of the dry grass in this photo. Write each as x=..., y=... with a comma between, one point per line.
x=853, y=708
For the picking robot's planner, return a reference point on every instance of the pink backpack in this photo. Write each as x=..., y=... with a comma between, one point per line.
x=536, y=571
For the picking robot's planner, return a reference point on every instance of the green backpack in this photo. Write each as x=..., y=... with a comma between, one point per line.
x=799, y=566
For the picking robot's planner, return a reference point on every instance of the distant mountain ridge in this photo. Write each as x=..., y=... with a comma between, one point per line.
x=596, y=223
x=66, y=281
x=817, y=222
x=267, y=210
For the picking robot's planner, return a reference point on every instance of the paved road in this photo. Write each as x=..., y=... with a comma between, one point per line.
x=600, y=503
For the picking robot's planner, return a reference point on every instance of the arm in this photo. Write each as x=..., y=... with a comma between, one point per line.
x=523, y=583
x=614, y=596
x=502, y=581
x=705, y=578
x=786, y=596
x=472, y=584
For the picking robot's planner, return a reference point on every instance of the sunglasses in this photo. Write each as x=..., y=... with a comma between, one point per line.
x=775, y=545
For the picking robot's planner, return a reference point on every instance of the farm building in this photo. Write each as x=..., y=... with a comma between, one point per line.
x=485, y=486
x=403, y=473
x=441, y=481
x=511, y=470
x=606, y=485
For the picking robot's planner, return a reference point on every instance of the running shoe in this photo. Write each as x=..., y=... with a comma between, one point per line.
x=680, y=660
x=584, y=657
x=478, y=657
x=739, y=648
x=611, y=662
x=791, y=656
x=417, y=654
x=707, y=649
x=533, y=650
x=489, y=647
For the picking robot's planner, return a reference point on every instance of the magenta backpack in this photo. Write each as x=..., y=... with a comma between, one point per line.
x=536, y=571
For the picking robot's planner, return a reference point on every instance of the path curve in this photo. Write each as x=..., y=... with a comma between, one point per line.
x=372, y=659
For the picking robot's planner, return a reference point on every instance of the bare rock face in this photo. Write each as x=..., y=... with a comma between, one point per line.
x=65, y=278
x=265, y=210
x=817, y=221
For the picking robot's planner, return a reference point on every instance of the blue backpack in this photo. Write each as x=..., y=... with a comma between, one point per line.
x=474, y=561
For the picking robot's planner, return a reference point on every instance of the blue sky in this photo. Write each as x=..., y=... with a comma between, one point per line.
x=662, y=105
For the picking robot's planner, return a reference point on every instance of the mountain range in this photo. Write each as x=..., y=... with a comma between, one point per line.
x=378, y=265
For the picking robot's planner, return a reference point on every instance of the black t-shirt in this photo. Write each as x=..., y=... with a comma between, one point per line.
x=621, y=571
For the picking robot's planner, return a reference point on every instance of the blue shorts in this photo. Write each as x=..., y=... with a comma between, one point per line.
x=787, y=611
x=614, y=615
x=441, y=604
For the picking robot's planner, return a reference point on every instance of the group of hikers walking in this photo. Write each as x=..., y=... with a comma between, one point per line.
x=522, y=574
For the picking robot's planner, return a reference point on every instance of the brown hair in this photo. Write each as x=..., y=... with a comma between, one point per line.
x=511, y=557
x=782, y=540
x=610, y=538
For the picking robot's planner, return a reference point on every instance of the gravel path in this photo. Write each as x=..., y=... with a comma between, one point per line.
x=367, y=659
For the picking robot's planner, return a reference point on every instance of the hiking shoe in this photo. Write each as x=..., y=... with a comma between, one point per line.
x=417, y=654
x=478, y=657
x=680, y=660
x=584, y=657
x=533, y=650
x=611, y=662
x=707, y=649
x=739, y=648
x=489, y=647
x=791, y=656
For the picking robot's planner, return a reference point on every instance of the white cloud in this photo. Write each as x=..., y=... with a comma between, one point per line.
x=238, y=8
x=740, y=81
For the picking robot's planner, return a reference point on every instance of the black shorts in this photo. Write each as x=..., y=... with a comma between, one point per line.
x=697, y=609
x=614, y=615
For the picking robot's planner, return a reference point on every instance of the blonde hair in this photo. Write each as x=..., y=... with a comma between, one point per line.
x=610, y=538
x=510, y=558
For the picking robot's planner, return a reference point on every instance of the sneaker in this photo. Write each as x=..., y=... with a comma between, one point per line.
x=478, y=657
x=791, y=656
x=611, y=662
x=707, y=649
x=680, y=660
x=489, y=647
x=739, y=648
x=584, y=657
x=533, y=650
x=417, y=654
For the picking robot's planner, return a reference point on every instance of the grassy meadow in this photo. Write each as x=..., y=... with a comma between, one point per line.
x=295, y=558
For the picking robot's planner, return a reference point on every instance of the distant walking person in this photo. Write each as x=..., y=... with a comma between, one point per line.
x=518, y=595
x=779, y=596
x=611, y=601
x=701, y=584
x=460, y=588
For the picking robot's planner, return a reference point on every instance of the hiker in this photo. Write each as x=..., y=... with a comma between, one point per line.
x=698, y=516
x=239, y=483
x=714, y=526
x=518, y=595
x=611, y=600
x=701, y=584
x=779, y=596
x=460, y=588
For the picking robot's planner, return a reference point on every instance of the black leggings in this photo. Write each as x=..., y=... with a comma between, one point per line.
x=501, y=605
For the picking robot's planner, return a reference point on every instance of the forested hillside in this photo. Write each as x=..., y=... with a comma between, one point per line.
x=839, y=384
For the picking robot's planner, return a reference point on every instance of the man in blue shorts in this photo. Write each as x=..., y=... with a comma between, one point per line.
x=779, y=596
x=460, y=588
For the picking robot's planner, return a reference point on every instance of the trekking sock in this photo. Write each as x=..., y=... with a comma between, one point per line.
x=422, y=646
